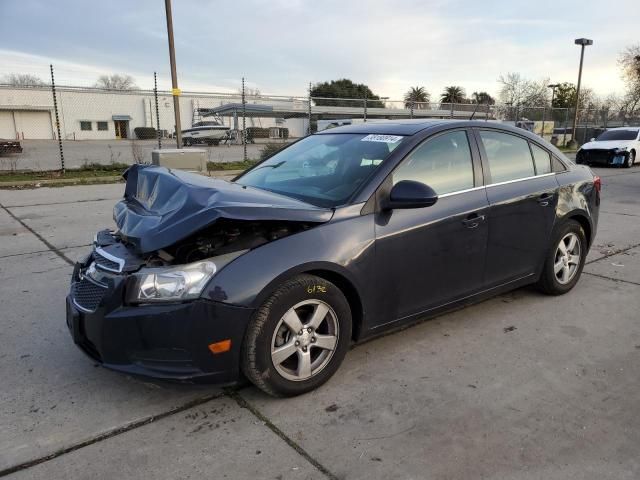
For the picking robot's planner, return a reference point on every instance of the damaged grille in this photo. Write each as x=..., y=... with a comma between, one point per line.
x=87, y=295
x=597, y=155
x=107, y=262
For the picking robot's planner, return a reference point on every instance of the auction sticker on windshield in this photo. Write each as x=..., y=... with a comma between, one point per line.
x=382, y=138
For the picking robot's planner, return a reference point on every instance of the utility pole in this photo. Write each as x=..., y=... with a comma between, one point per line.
x=175, y=91
x=553, y=87
x=583, y=42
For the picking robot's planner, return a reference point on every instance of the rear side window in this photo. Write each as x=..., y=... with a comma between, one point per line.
x=444, y=163
x=509, y=156
x=542, y=159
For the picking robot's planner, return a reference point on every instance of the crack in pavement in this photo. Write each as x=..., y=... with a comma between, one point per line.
x=42, y=251
x=242, y=403
x=61, y=203
x=39, y=237
x=232, y=393
x=620, y=213
x=110, y=433
x=612, y=278
x=613, y=252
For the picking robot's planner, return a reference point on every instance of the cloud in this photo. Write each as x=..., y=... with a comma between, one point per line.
x=282, y=45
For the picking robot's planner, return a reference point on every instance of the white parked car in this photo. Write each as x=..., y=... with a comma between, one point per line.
x=617, y=146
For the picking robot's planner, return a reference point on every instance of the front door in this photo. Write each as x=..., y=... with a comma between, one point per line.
x=523, y=196
x=121, y=127
x=427, y=257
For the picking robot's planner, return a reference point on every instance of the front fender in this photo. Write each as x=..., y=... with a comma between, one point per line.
x=345, y=247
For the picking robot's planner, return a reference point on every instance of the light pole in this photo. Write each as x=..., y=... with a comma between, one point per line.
x=553, y=87
x=175, y=91
x=583, y=42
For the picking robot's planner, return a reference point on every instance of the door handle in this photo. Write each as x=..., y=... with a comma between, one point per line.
x=545, y=199
x=473, y=220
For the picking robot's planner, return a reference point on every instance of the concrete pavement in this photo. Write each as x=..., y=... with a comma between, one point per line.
x=522, y=386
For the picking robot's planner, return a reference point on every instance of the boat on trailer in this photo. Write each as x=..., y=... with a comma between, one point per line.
x=210, y=132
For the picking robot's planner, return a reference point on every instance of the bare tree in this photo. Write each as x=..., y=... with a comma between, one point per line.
x=22, y=80
x=629, y=61
x=116, y=82
x=137, y=152
x=519, y=91
x=249, y=92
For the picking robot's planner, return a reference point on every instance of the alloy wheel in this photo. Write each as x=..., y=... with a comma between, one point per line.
x=567, y=258
x=304, y=340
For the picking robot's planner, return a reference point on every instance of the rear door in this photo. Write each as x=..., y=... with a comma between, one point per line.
x=427, y=257
x=522, y=195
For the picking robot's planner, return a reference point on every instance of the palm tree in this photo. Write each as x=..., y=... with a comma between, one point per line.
x=482, y=98
x=453, y=94
x=417, y=96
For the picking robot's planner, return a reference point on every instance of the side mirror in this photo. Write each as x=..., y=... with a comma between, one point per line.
x=410, y=194
x=592, y=140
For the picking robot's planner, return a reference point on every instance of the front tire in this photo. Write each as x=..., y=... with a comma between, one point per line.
x=631, y=159
x=298, y=338
x=565, y=259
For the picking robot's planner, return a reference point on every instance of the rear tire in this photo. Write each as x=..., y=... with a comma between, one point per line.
x=565, y=259
x=298, y=338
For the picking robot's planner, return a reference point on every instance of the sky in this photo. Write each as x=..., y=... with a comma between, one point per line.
x=282, y=45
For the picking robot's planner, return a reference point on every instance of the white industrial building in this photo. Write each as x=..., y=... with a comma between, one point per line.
x=93, y=114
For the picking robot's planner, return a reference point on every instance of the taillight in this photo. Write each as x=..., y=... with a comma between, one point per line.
x=597, y=183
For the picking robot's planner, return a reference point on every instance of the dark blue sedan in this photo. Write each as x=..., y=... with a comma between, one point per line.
x=338, y=237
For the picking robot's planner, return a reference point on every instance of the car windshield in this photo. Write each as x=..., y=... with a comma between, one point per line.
x=618, y=135
x=324, y=170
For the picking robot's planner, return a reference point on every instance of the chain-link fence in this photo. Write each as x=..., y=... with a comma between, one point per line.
x=101, y=126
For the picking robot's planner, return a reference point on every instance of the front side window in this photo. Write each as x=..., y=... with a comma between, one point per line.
x=508, y=156
x=443, y=162
x=323, y=170
x=542, y=159
x=85, y=126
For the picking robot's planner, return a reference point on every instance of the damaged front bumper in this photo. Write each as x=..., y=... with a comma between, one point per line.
x=602, y=157
x=164, y=341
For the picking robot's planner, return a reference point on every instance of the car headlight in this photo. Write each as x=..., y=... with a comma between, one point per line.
x=621, y=149
x=177, y=283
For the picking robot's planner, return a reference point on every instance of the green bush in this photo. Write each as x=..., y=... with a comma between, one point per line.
x=145, y=133
x=111, y=167
x=269, y=149
x=257, y=132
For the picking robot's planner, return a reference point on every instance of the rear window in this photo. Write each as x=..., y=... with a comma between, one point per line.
x=622, y=134
x=509, y=156
x=542, y=159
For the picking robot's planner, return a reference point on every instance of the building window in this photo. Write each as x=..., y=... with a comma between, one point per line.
x=103, y=126
x=85, y=126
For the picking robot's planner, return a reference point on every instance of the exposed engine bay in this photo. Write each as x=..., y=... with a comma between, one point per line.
x=225, y=236
x=222, y=237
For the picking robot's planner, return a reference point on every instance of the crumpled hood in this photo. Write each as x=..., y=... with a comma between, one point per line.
x=163, y=206
x=607, y=144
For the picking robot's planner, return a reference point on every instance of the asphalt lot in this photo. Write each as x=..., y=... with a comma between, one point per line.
x=45, y=154
x=522, y=386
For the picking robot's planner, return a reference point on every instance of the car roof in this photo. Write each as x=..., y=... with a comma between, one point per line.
x=388, y=127
x=624, y=128
x=411, y=127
